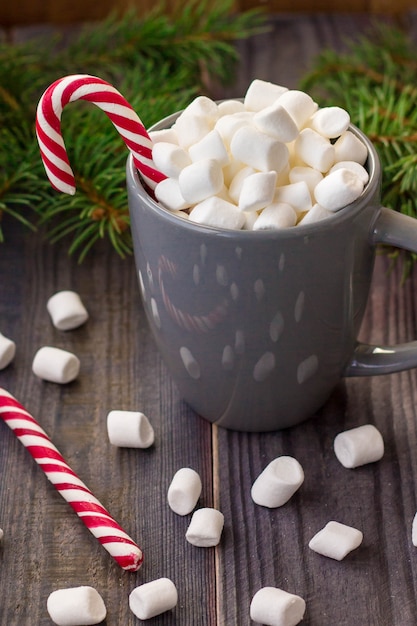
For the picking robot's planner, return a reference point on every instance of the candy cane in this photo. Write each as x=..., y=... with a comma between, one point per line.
x=120, y=112
x=95, y=517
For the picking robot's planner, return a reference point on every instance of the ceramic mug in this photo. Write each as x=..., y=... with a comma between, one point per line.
x=258, y=327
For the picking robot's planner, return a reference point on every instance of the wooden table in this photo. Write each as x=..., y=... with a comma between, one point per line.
x=45, y=545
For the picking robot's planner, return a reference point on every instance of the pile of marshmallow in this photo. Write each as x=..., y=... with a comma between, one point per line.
x=274, y=160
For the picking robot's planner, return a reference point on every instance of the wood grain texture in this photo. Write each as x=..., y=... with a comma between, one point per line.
x=76, y=11
x=45, y=545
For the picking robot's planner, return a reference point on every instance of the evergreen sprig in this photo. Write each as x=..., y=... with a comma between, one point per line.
x=159, y=63
x=376, y=81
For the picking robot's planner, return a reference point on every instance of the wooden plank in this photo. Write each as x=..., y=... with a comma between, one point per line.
x=45, y=545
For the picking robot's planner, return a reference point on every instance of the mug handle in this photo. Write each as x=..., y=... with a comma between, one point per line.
x=394, y=229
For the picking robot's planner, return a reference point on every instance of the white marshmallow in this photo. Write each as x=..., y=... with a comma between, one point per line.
x=168, y=193
x=205, y=528
x=7, y=351
x=228, y=107
x=210, y=147
x=235, y=185
x=202, y=106
x=129, y=429
x=169, y=158
x=338, y=189
x=315, y=214
x=354, y=167
x=66, y=310
x=261, y=94
x=250, y=220
x=278, y=482
x=165, y=134
x=330, y=122
x=262, y=152
x=299, y=105
x=349, y=148
x=153, y=598
x=191, y=128
x=414, y=531
x=228, y=125
x=76, y=606
x=257, y=191
x=314, y=150
x=295, y=194
x=200, y=180
x=277, y=122
x=55, y=365
x=358, y=446
x=184, y=491
x=219, y=213
x=306, y=174
x=275, y=607
x=276, y=215
x=336, y=540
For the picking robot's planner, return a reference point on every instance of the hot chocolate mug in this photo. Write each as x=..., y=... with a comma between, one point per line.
x=258, y=327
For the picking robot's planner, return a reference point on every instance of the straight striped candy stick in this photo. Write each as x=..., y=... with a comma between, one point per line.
x=95, y=517
x=115, y=106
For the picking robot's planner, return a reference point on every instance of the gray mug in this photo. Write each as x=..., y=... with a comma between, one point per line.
x=258, y=327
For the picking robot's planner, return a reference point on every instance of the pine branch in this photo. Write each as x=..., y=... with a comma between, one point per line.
x=156, y=62
x=375, y=80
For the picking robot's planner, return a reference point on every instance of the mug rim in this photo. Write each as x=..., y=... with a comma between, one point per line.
x=348, y=212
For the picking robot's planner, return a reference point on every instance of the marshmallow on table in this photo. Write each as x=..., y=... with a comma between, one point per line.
x=184, y=491
x=55, y=365
x=358, y=446
x=278, y=482
x=219, y=213
x=257, y=191
x=153, y=598
x=66, y=310
x=205, y=528
x=76, y=606
x=129, y=429
x=338, y=189
x=261, y=94
x=7, y=351
x=275, y=607
x=336, y=540
x=274, y=216
x=200, y=180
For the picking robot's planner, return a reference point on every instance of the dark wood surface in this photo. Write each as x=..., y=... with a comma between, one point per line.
x=45, y=545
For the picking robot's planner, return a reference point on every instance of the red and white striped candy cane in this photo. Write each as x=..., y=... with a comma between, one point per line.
x=95, y=517
x=120, y=112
